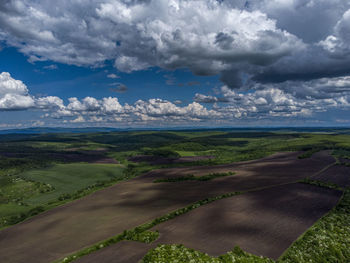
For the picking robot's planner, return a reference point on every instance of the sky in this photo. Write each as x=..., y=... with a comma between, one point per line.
x=174, y=63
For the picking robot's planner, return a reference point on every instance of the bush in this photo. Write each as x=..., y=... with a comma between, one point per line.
x=162, y=153
x=179, y=253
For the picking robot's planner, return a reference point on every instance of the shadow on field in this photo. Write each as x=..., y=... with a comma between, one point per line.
x=81, y=223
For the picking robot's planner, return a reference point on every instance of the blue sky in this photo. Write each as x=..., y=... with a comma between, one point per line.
x=175, y=63
x=67, y=81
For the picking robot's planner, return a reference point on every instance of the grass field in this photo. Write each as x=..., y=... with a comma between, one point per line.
x=68, y=178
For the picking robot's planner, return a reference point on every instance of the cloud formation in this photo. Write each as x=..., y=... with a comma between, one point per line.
x=276, y=58
x=267, y=41
x=14, y=94
x=263, y=102
x=207, y=37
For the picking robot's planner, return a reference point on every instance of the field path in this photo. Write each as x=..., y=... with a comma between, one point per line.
x=81, y=223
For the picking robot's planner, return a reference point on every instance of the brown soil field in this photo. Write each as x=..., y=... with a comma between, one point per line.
x=154, y=160
x=338, y=174
x=81, y=223
x=265, y=222
x=92, y=156
x=107, y=160
x=122, y=252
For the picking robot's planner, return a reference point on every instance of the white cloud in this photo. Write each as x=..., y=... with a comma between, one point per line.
x=111, y=105
x=9, y=85
x=50, y=102
x=16, y=102
x=79, y=119
x=338, y=44
x=51, y=67
x=14, y=94
x=112, y=76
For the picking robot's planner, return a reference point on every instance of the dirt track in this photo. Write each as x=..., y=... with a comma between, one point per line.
x=81, y=223
x=265, y=223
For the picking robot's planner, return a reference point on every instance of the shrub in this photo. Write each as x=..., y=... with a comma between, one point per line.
x=162, y=153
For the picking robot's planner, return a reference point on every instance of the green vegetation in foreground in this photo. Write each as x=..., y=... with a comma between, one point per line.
x=35, y=191
x=179, y=253
x=191, y=177
x=140, y=235
x=135, y=232
x=321, y=184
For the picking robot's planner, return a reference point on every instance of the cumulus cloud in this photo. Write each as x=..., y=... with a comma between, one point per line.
x=9, y=85
x=112, y=76
x=14, y=94
x=338, y=44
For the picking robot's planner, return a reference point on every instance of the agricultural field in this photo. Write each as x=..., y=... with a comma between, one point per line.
x=213, y=195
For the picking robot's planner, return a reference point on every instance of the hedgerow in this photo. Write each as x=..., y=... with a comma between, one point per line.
x=320, y=183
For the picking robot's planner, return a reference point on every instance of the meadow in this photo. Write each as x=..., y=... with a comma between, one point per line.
x=37, y=190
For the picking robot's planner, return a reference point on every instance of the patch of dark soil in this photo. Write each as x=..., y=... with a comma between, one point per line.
x=156, y=160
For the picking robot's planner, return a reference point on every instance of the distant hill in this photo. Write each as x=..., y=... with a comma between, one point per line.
x=43, y=130
x=57, y=130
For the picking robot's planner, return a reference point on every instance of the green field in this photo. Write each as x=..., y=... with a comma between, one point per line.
x=68, y=178
x=56, y=184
